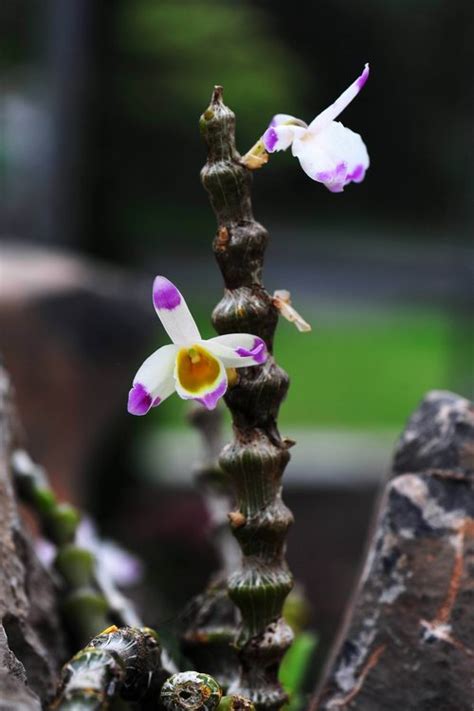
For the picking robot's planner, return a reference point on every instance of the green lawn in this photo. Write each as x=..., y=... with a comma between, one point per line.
x=364, y=371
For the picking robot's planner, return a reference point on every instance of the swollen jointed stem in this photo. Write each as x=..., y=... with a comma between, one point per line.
x=257, y=457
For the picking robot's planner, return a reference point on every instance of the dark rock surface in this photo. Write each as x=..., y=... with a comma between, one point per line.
x=439, y=435
x=31, y=642
x=408, y=641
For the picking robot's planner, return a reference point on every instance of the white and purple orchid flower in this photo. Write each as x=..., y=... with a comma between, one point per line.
x=194, y=367
x=328, y=152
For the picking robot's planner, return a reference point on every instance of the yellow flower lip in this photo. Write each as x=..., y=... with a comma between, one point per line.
x=197, y=369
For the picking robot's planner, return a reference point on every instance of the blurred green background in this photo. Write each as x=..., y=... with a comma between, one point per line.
x=110, y=94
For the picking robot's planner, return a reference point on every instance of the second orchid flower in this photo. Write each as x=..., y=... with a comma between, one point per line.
x=328, y=152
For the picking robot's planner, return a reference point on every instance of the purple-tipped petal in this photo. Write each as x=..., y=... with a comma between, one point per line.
x=173, y=312
x=335, y=179
x=238, y=350
x=165, y=294
x=357, y=175
x=154, y=381
x=258, y=351
x=139, y=400
x=363, y=77
x=270, y=139
x=279, y=138
x=332, y=112
x=211, y=399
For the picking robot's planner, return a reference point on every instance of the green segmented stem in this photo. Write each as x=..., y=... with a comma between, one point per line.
x=123, y=662
x=85, y=609
x=257, y=457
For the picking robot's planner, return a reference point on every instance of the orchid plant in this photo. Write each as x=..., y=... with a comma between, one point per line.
x=327, y=151
x=196, y=369
x=203, y=370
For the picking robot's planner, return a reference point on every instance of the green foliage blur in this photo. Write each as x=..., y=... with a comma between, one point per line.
x=199, y=44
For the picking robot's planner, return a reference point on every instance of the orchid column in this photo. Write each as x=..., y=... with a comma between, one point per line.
x=257, y=457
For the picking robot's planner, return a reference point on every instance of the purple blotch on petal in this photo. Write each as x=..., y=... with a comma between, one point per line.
x=335, y=179
x=156, y=402
x=258, y=351
x=211, y=399
x=363, y=77
x=270, y=139
x=324, y=176
x=357, y=174
x=139, y=400
x=165, y=294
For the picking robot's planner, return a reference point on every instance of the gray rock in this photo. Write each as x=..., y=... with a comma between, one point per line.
x=31, y=642
x=408, y=641
x=439, y=435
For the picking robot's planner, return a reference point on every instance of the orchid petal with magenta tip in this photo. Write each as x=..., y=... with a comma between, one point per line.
x=153, y=382
x=238, y=350
x=173, y=312
x=279, y=138
x=333, y=111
